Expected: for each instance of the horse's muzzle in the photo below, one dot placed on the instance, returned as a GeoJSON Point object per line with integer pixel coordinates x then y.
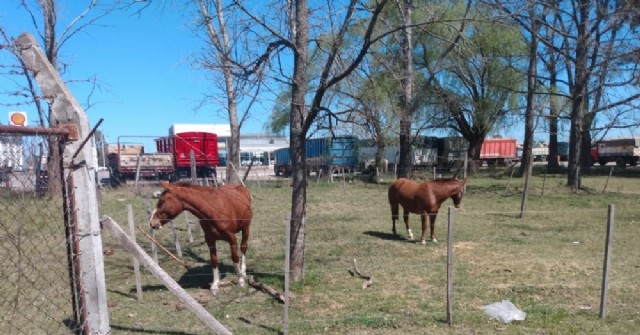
{"type": "Point", "coordinates": [155, 223]}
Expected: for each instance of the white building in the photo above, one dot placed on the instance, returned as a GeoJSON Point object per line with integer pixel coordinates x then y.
{"type": "Point", "coordinates": [259, 146]}
{"type": "Point", "coordinates": [11, 152]}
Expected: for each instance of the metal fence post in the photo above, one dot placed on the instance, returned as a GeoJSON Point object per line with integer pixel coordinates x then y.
{"type": "Point", "coordinates": [607, 261]}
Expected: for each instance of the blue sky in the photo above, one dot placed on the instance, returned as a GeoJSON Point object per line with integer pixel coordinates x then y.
{"type": "Point", "coordinates": [143, 65]}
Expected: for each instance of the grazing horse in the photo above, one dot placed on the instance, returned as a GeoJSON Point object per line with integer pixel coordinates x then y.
{"type": "Point", "coordinates": [223, 212]}
{"type": "Point", "coordinates": [423, 199]}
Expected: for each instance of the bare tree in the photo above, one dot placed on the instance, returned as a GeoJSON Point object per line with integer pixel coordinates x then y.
{"type": "Point", "coordinates": [228, 53]}
{"type": "Point", "coordinates": [596, 49]}
{"type": "Point", "coordinates": [43, 14]}
{"type": "Point", "coordinates": [338, 60]}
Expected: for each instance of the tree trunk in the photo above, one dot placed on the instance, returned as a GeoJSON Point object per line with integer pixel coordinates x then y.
{"type": "Point", "coordinates": [531, 91]}
{"type": "Point", "coordinates": [406, 96]}
{"type": "Point", "coordinates": [579, 94]}
{"type": "Point", "coordinates": [297, 140]}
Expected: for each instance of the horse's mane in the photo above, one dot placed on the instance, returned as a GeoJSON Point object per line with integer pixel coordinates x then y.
{"type": "Point", "coordinates": [446, 179]}
{"type": "Point", "coordinates": [184, 184]}
{"type": "Point", "coordinates": [190, 185]}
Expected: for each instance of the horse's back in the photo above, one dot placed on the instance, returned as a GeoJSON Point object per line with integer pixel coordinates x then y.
{"type": "Point", "coordinates": [402, 190]}
{"type": "Point", "coordinates": [229, 203]}
{"type": "Point", "coordinates": [412, 196]}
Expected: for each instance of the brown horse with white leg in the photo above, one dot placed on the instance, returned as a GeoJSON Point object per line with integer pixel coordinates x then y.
{"type": "Point", "coordinates": [423, 199]}
{"type": "Point", "coordinates": [223, 212]}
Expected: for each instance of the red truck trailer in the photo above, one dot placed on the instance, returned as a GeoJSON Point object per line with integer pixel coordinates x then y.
{"type": "Point", "coordinates": [204, 146]}
{"type": "Point", "coordinates": [498, 151]}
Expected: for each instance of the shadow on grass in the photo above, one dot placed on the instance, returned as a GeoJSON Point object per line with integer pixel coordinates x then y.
{"type": "Point", "coordinates": [269, 328]}
{"type": "Point", "coordinates": [73, 326]}
{"type": "Point", "coordinates": [131, 294]}
{"type": "Point", "coordinates": [147, 331]}
{"type": "Point", "coordinates": [386, 236]}
{"type": "Point", "coordinates": [197, 277]}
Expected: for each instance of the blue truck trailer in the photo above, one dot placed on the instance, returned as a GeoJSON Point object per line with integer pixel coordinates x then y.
{"type": "Point", "coordinates": [325, 154]}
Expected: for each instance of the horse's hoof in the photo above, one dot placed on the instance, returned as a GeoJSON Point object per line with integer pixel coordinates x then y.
{"type": "Point", "coordinates": [423, 242]}
{"type": "Point", "coordinates": [434, 240]}
{"type": "Point", "coordinates": [214, 291]}
{"type": "Point", "coordinates": [241, 282]}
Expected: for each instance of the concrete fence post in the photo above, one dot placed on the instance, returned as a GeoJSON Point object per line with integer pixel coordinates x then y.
{"type": "Point", "coordinates": [79, 168]}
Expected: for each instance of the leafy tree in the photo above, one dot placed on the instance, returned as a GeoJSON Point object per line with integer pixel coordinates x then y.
{"type": "Point", "coordinates": [477, 86]}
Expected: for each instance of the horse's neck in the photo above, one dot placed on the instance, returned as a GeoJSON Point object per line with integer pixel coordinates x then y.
{"type": "Point", "coordinates": [449, 191]}
{"type": "Point", "coordinates": [189, 199]}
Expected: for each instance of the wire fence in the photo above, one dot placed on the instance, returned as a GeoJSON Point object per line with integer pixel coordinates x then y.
{"type": "Point", "coordinates": [36, 291]}
{"type": "Point", "coordinates": [548, 262]}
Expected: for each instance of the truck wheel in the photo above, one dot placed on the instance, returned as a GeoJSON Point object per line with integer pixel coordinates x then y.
{"type": "Point", "coordinates": [602, 162]}
{"type": "Point", "coordinates": [620, 162]}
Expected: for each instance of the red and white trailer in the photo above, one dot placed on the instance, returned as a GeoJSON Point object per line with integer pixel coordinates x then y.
{"type": "Point", "coordinates": [622, 151]}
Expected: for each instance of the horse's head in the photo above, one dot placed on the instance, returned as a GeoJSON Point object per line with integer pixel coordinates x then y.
{"type": "Point", "coordinates": [167, 209]}
{"type": "Point", "coordinates": [458, 193]}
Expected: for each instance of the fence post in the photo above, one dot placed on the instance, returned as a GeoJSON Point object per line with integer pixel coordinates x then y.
{"type": "Point", "coordinates": [161, 275]}
{"type": "Point", "coordinates": [152, 232]}
{"type": "Point", "coordinates": [607, 183]}
{"type": "Point", "coordinates": [79, 168]}
{"type": "Point", "coordinates": [607, 261]}
{"type": "Point", "coordinates": [450, 268]}
{"type": "Point", "coordinates": [189, 234]}
{"type": "Point", "coordinates": [525, 192]}
{"type": "Point", "coordinates": [176, 239]}
{"type": "Point", "coordinates": [192, 161]}
{"type": "Point", "coordinates": [287, 274]}
{"type": "Point", "coordinates": [136, 264]}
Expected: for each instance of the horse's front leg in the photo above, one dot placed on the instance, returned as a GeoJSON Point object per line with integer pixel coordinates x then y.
{"type": "Point", "coordinates": [214, 264]}
{"type": "Point", "coordinates": [394, 217]}
{"type": "Point", "coordinates": [405, 217]}
{"type": "Point", "coordinates": [211, 243]}
{"type": "Point", "coordinates": [240, 267]}
{"type": "Point", "coordinates": [423, 219]}
{"type": "Point", "coordinates": [432, 226]}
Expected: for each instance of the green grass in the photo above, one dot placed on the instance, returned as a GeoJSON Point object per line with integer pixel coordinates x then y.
{"type": "Point", "coordinates": [548, 263]}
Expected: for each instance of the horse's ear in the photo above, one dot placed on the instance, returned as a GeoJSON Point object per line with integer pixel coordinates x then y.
{"type": "Point", "coordinates": [164, 184]}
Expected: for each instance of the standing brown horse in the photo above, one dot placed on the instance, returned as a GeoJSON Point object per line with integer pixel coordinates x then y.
{"type": "Point", "coordinates": [222, 212]}
{"type": "Point", "coordinates": [423, 199]}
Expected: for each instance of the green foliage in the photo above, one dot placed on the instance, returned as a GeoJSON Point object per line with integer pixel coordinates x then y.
{"type": "Point", "coordinates": [482, 72]}
{"type": "Point", "coordinates": [278, 121]}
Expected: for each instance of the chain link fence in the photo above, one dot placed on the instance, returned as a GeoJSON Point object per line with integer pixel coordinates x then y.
{"type": "Point", "coordinates": [36, 291]}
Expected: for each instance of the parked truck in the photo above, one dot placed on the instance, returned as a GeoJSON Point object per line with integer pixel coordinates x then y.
{"type": "Point", "coordinates": [540, 152]}
{"type": "Point", "coordinates": [125, 160]}
{"type": "Point", "coordinates": [179, 145]}
{"type": "Point", "coordinates": [622, 151]}
{"type": "Point", "coordinates": [498, 151]}
{"type": "Point", "coordinates": [323, 155]}
{"type": "Point", "coordinates": [282, 164]}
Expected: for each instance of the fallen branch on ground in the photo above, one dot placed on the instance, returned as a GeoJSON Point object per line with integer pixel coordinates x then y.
{"type": "Point", "coordinates": [354, 271]}
{"type": "Point", "coordinates": [266, 289]}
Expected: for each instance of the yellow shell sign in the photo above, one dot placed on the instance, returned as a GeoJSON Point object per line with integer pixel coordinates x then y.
{"type": "Point", "coordinates": [18, 118]}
